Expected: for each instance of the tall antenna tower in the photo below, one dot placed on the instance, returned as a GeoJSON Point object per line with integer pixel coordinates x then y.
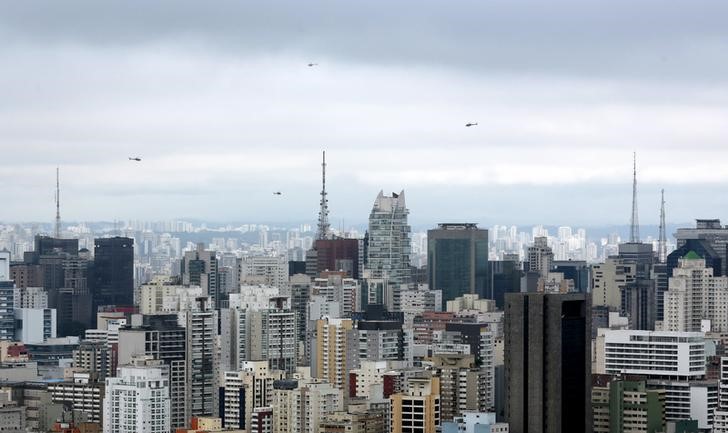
{"type": "Point", "coordinates": [323, 220]}
{"type": "Point", "coordinates": [634, 225]}
{"type": "Point", "coordinates": [58, 204]}
{"type": "Point", "coordinates": [662, 243]}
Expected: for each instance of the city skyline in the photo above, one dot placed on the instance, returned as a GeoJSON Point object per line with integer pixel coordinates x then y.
{"type": "Point", "coordinates": [221, 108]}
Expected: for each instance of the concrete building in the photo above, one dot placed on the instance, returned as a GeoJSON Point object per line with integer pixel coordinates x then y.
{"type": "Point", "coordinates": [355, 420]}
{"type": "Point", "coordinates": [83, 393]}
{"type": "Point", "coordinates": [463, 385]}
{"type": "Point", "coordinates": [161, 337]}
{"type": "Point", "coordinates": [457, 260]}
{"type": "Point", "coordinates": [548, 362]}
{"type": "Point", "coordinates": [388, 244]}
{"type": "Point", "coordinates": [164, 295]}
{"type": "Point", "coordinates": [35, 325]}
{"type": "Point", "coordinates": [626, 405]}
{"type": "Point", "coordinates": [475, 422]}
{"type": "Point", "coordinates": [7, 310]}
{"type": "Point", "coordinates": [417, 409]}
{"type": "Point", "coordinates": [257, 334]}
{"type": "Point", "coordinates": [137, 400]}
{"type": "Point", "coordinates": [609, 280]}
{"type": "Point", "coordinates": [203, 358]}
{"type": "Point", "coordinates": [245, 391]}
{"type": "Point", "coordinates": [31, 297]}
{"type": "Point", "coordinates": [268, 270]}
{"type": "Point", "coordinates": [673, 361]}
{"type": "Point", "coordinates": [335, 351]}
{"type": "Point", "coordinates": [540, 256]}
{"type": "Point", "coordinates": [300, 407]}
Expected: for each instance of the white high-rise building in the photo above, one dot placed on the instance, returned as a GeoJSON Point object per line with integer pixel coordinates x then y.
{"type": "Point", "coordinates": [137, 400]}
{"type": "Point", "coordinates": [35, 325]}
{"type": "Point", "coordinates": [389, 246]}
{"type": "Point", "coordinates": [694, 296]}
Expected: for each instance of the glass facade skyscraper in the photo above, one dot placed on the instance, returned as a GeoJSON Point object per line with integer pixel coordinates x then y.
{"type": "Point", "coordinates": [388, 249]}
{"type": "Point", "coordinates": [457, 260]}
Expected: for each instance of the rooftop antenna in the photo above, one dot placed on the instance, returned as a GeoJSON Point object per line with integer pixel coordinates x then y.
{"type": "Point", "coordinates": [662, 243]}
{"type": "Point", "coordinates": [323, 221]}
{"type": "Point", "coordinates": [634, 229]}
{"type": "Point", "coordinates": [58, 204]}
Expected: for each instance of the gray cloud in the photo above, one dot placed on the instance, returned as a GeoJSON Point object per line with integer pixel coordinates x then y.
{"type": "Point", "coordinates": [218, 101]}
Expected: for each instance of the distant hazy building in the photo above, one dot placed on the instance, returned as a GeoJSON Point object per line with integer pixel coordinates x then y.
{"type": "Point", "coordinates": [388, 245]}
{"type": "Point", "coordinates": [137, 400]}
{"type": "Point", "coordinates": [200, 268]}
{"type": "Point", "coordinates": [548, 362]}
{"type": "Point", "coordinates": [457, 260]}
{"type": "Point", "coordinates": [540, 256]}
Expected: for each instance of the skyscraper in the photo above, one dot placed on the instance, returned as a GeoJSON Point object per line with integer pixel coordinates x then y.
{"type": "Point", "coordinates": [113, 271]}
{"type": "Point", "coordinates": [548, 362]}
{"type": "Point", "coordinates": [457, 260]}
{"type": "Point", "coordinates": [388, 249]}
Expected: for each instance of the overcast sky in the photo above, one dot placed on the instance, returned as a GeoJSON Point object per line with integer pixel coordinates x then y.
{"type": "Point", "coordinates": [218, 101]}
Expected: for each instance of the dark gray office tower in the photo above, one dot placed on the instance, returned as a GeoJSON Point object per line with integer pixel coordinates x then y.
{"type": "Point", "coordinates": [457, 260]}
{"type": "Point", "coordinates": [639, 298]}
{"type": "Point", "coordinates": [113, 271]}
{"type": "Point", "coordinates": [711, 231]}
{"type": "Point", "coordinates": [548, 362]}
{"type": "Point", "coordinates": [505, 277]}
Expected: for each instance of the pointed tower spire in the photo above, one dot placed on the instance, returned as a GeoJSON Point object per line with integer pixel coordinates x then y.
{"type": "Point", "coordinates": [58, 204]}
{"type": "Point", "coordinates": [323, 220]}
{"type": "Point", "coordinates": [634, 229]}
{"type": "Point", "coordinates": [662, 243]}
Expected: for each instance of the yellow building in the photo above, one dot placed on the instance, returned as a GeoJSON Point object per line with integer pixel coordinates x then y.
{"type": "Point", "coordinates": [417, 409]}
